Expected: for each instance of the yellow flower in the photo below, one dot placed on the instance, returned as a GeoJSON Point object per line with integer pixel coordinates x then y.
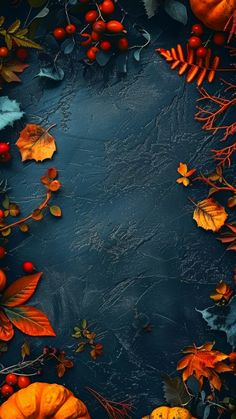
{"type": "Point", "coordinates": [185, 173]}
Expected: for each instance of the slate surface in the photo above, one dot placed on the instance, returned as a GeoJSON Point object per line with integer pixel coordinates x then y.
{"type": "Point", "coordinates": [126, 251]}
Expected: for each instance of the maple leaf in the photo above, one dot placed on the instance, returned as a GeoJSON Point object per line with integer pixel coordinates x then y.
{"type": "Point", "coordinates": [27, 319]}
{"type": "Point", "coordinates": [210, 215]}
{"type": "Point", "coordinates": [185, 173]}
{"type": "Point", "coordinates": [8, 70]}
{"type": "Point", "coordinates": [35, 143]}
{"type": "Point", "coordinates": [203, 362]}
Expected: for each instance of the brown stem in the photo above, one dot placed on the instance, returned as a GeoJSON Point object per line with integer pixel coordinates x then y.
{"type": "Point", "coordinates": [212, 185]}
{"type": "Point", "coordinates": [30, 216]}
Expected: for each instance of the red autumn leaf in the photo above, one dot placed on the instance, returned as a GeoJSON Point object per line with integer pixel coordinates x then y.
{"type": "Point", "coordinates": [61, 369]}
{"type": "Point", "coordinates": [6, 328]}
{"type": "Point", "coordinates": [30, 320]}
{"type": "Point", "coordinates": [20, 291]}
{"type": "Point", "coordinates": [203, 362]}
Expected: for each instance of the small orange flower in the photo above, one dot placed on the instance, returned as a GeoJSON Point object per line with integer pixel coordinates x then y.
{"type": "Point", "coordinates": [185, 174]}
{"type": "Point", "coordinates": [222, 293]}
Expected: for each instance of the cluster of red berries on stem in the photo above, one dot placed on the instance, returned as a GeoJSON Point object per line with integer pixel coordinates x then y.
{"type": "Point", "coordinates": [5, 155]}
{"type": "Point", "coordinates": [20, 53]}
{"type": "Point", "coordinates": [11, 381]}
{"type": "Point", "coordinates": [195, 41]}
{"type": "Point", "coordinates": [104, 34]}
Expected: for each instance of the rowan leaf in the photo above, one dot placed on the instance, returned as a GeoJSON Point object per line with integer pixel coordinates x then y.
{"type": "Point", "coordinates": [9, 69]}
{"type": "Point", "coordinates": [30, 320]}
{"type": "Point", "coordinates": [210, 215]}
{"type": "Point", "coordinates": [9, 112]}
{"type": "Point", "coordinates": [35, 143]}
{"type": "Point", "coordinates": [20, 291]}
{"type": "Point", "coordinates": [6, 328]}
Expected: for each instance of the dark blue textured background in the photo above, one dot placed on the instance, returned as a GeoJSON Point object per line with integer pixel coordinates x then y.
{"type": "Point", "coordinates": [126, 251]}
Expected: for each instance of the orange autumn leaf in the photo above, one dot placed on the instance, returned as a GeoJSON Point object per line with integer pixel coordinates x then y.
{"type": "Point", "coordinates": [210, 215]}
{"type": "Point", "coordinates": [185, 174]}
{"type": "Point", "coordinates": [203, 362]}
{"type": "Point", "coordinates": [8, 71]}
{"type": "Point", "coordinates": [21, 290]}
{"type": "Point", "coordinates": [35, 143]}
{"type": "Point", "coordinates": [223, 292]}
{"type": "Point", "coordinates": [27, 319]}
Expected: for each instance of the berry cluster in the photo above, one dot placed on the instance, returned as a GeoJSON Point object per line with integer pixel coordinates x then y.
{"type": "Point", "coordinates": [5, 155]}
{"type": "Point", "coordinates": [195, 41]}
{"type": "Point", "coordinates": [105, 34]}
{"type": "Point", "coordinates": [11, 381]}
{"type": "Point", "coordinates": [20, 53]}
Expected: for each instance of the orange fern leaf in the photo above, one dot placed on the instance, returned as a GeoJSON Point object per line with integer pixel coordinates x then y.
{"type": "Point", "coordinates": [189, 64]}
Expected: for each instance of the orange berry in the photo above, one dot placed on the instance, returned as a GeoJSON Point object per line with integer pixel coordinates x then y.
{"type": "Point", "coordinates": [115, 26]}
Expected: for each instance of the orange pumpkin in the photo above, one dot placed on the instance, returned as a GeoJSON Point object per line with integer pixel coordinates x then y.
{"type": "Point", "coordinates": [164, 412]}
{"type": "Point", "coordinates": [41, 401]}
{"type": "Point", "coordinates": [213, 13]}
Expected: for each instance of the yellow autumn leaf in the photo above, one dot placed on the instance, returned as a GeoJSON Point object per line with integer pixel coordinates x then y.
{"type": "Point", "coordinates": [35, 143]}
{"type": "Point", "coordinates": [210, 215]}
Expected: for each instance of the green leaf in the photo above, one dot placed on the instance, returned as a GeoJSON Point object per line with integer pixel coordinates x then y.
{"type": "Point", "coordinates": [151, 7]}
{"type": "Point", "coordinates": [6, 202]}
{"type": "Point", "coordinates": [55, 211]}
{"type": "Point", "coordinates": [9, 112]}
{"type": "Point", "coordinates": [84, 324]}
{"type": "Point", "coordinates": [174, 391]}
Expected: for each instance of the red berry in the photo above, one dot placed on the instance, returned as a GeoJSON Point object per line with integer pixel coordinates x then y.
{"type": "Point", "coordinates": [123, 44]}
{"type": "Point", "coordinates": [2, 252]}
{"type": "Point", "coordinates": [115, 26]}
{"type": "Point", "coordinates": [6, 390]}
{"type": "Point", "coordinates": [96, 36]}
{"type": "Point", "coordinates": [91, 16]}
{"type": "Point", "coordinates": [59, 33]}
{"type": "Point", "coordinates": [22, 53]}
{"type": "Point", "coordinates": [194, 42]}
{"type": "Point", "coordinates": [23, 381]}
{"type": "Point", "coordinates": [4, 148]}
{"type": "Point", "coordinates": [4, 51]}
{"type": "Point", "coordinates": [219, 38]}
{"type": "Point", "coordinates": [87, 39]}
{"type": "Point", "coordinates": [28, 267]}
{"type": "Point", "coordinates": [70, 29]}
{"type": "Point", "coordinates": [91, 53]}
{"type": "Point", "coordinates": [105, 45]}
{"type": "Point", "coordinates": [5, 158]}
{"type": "Point", "coordinates": [1, 213]}
{"type": "Point", "coordinates": [99, 26]}
{"type": "Point", "coordinates": [201, 52]}
{"type": "Point", "coordinates": [197, 29]}
{"type": "Point", "coordinates": [107, 7]}
{"type": "Point", "coordinates": [11, 379]}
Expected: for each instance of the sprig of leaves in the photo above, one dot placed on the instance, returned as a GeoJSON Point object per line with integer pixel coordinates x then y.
{"type": "Point", "coordinates": [86, 338]}
{"type": "Point", "coordinates": [15, 34]}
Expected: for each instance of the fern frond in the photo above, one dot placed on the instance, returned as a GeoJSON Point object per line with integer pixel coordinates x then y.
{"type": "Point", "coordinates": [195, 68]}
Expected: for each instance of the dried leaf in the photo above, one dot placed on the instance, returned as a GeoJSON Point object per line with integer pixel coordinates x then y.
{"type": "Point", "coordinates": [54, 185]}
{"type": "Point", "coordinates": [222, 293]}
{"type": "Point", "coordinates": [9, 69]}
{"type": "Point", "coordinates": [14, 209]}
{"type": "Point", "coordinates": [24, 228]}
{"type": "Point", "coordinates": [21, 290]}
{"type": "Point", "coordinates": [175, 392]}
{"type": "Point", "coordinates": [25, 350]}
{"type": "Point", "coordinates": [55, 211]}
{"type": "Point", "coordinates": [210, 215]}
{"type": "Point", "coordinates": [37, 215]}
{"type": "Point", "coordinates": [61, 369]}
{"type": "Point", "coordinates": [35, 143]}
{"type": "Point", "coordinates": [196, 68]}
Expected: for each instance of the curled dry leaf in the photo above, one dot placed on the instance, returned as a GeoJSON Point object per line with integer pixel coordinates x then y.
{"type": "Point", "coordinates": [185, 174]}
{"type": "Point", "coordinates": [35, 143]}
{"type": "Point", "coordinates": [210, 215]}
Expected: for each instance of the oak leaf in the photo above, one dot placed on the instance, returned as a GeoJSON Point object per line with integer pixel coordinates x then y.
{"type": "Point", "coordinates": [35, 143]}
{"type": "Point", "coordinates": [203, 362]}
{"type": "Point", "coordinates": [210, 215]}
